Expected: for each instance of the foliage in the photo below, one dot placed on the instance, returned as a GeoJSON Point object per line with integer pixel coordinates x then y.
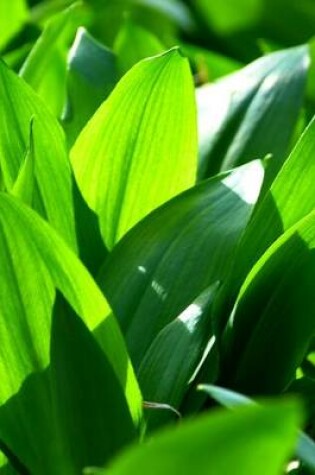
{"type": "Point", "coordinates": [157, 234]}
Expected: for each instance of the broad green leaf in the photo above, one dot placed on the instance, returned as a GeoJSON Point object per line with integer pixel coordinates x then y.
{"type": "Point", "coordinates": [290, 198]}
{"type": "Point", "coordinates": [19, 105]}
{"type": "Point", "coordinates": [40, 351]}
{"type": "Point", "coordinates": [272, 324]}
{"type": "Point", "coordinates": [13, 14]}
{"type": "Point", "coordinates": [250, 440]}
{"type": "Point", "coordinates": [252, 112]}
{"type": "Point", "coordinates": [173, 357]}
{"type": "Point", "coordinates": [305, 448]}
{"type": "Point", "coordinates": [139, 148]}
{"type": "Point", "coordinates": [91, 76]}
{"type": "Point", "coordinates": [134, 43]}
{"type": "Point", "coordinates": [45, 67]}
{"type": "Point", "coordinates": [154, 266]}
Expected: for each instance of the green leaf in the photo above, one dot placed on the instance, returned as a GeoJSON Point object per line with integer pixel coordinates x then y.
{"type": "Point", "coordinates": [290, 198]}
{"type": "Point", "coordinates": [23, 187]}
{"type": "Point", "coordinates": [52, 194]}
{"type": "Point", "coordinates": [134, 43]}
{"type": "Point", "coordinates": [154, 266]}
{"type": "Point", "coordinates": [91, 76]}
{"type": "Point", "coordinates": [13, 15]}
{"type": "Point", "coordinates": [250, 440]}
{"type": "Point", "coordinates": [305, 448]}
{"type": "Point", "coordinates": [172, 358]}
{"type": "Point", "coordinates": [45, 66]}
{"type": "Point", "coordinates": [39, 352]}
{"type": "Point", "coordinates": [271, 326]}
{"type": "Point", "coordinates": [139, 149]}
{"type": "Point", "coordinates": [252, 112]}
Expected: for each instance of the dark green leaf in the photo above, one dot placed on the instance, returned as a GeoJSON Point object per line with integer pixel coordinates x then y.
{"type": "Point", "coordinates": [165, 262]}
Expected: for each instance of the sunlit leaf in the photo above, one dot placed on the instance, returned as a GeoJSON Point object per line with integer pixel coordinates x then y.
{"type": "Point", "coordinates": [139, 149]}
{"type": "Point", "coordinates": [45, 67]}
{"type": "Point", "coordinates": [13, 14]}
{"type": "Point", "coordinates": [19, 106]}
{"type": "Point", "coordinates": [40, 351]}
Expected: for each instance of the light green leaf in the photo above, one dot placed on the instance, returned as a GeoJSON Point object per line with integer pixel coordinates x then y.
{"type": "Point", "coordinates": [134, 43]}
{"type": "Point", "coordinates": [19, 105]}
{"type": "Point", "coordinates": [172, 358]}
{"type": "Point", "coordinates": [13, 14]}
{"type": "Point", "coordinates": [250, 440]}
{"type": "Point", "coordinates": [34, 399]}
{"type": "Point", "coordinates": [91, 76]}
{"type": "Point", "coordinates": [45, 67]}
{"type": "Point", "coordinates": [139, 149]}
{"type": "Point", "coordinates": [252, 112]}
{"type": "Point", "coordinates": [305, 448]}
{"type": "Point", "coordinates": [154, 266]}
{"type": "Point", "coordinates": [23, 187]}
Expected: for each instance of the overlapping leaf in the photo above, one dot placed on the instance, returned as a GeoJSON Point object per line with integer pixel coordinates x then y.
{"type": "Point", "coordinates": [166, 261]}
{"type": "Point", "coordinates": [20, 107]}
{"type": "Point", "coordinates": [41, 351]}
{"type": "Point", "coordinates": [250, 440]}
{"type": "Point", "coordinates": [139, 149]}
{"type": "Point", "coordinates": [174, 355]}
{"type": "Point", "coordinates": [271, 327]}
{"type": "Point", "coordinates": [290, 198]}
{"type": "Point", "coordinates": [252, 112]}
{"type": "Point", "coordinates": [91, 76]}
{"type": "Point", "coordinates": [45, 66]}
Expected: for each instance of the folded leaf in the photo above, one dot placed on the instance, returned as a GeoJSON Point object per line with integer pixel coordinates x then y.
{"type": "Point", "coordinates": [139, 149]}
{"type": "Point", "coordinates": [172, 358]}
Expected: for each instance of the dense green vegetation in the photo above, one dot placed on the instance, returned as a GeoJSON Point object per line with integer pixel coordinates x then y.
{"type": "Point", "coordinates": [157, 237]}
